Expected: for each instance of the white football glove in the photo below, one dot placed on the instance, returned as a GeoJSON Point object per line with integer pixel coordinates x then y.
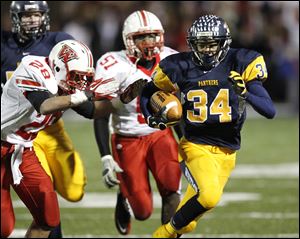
{"type": "Point", "coordinates": [78, 97]}
{"type": "Point", "coordinates": [109, 168]}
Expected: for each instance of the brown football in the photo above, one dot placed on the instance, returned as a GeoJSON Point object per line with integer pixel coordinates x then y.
{"type": "Point", "coordinates": [167, 105]}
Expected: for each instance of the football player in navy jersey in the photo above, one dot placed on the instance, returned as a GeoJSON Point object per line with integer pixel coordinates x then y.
{"type": "Point", "coordinates": [215, 82]}
{"type": "Point", "coordinates": [30, 36]}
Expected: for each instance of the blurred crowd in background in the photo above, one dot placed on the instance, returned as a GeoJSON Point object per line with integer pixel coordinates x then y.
{"type": "Point", "coordinates": [269, 27]}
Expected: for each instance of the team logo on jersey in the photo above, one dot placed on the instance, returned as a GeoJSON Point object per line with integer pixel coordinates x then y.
{"type": "Point", "coordinates": [67, 54]}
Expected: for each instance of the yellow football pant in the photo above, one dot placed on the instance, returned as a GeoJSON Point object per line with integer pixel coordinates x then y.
{"type": "Point", "coordinates": [209, 167]}
{"type": "Point", "coordinates": [62, 163]}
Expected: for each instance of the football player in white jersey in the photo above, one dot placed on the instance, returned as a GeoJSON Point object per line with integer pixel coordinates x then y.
{"type": "Point", "coordinates": [136, 149]}
{"type": "Point", "coordinates": [39, 91]}
{"type": "Point", "coordinates": [30, 35]}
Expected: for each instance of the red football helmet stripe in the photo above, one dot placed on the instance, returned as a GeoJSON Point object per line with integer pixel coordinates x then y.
{"type": "Point", "coordinates": [143, 15]}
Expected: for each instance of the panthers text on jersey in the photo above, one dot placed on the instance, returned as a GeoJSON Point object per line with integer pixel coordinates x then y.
{"type": "Point", "coordinates": [20, 122]}
{"type": "Point", "coordinates": [12, 53]}
{"type": "Point", "coordinates": [213, 114]}
{"type": "Point", "coordinates": [127, 119]}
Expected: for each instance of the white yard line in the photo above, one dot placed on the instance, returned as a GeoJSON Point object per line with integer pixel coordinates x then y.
{"type": "Point", "coordinates": [108, 200]}
{"type": "Point", "coordinates": [287, 170]}
{"type": "Point", "coordinates": [18, 233]}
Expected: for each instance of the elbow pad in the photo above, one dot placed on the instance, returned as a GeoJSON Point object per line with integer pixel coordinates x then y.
{"type": "Point", "coordinates": [36, 98]}
{"type": "Point", "coordinates": [85, 109]}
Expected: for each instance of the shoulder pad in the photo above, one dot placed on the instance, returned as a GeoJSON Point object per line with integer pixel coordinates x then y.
{"type": "Point", "coordinates": [251, 64]}
{"type": "Point", "coordinates": [40, 75]}
{"type": "Point", "coordinates": [166, 52]}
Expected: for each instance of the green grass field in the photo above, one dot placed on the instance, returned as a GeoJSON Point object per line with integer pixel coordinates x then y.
{"type": "Point", "coordinates": [270, 207]}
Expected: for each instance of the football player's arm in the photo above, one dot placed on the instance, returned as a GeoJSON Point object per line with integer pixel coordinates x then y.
{"type": "Point", "coordinates": [58, 103]}
{"type": "Point", "coordinates": [148, 90]}
{"type": "Point", "coordinates": [259, 99]}
{"type": "Point", "coordinates": [249, 84]}
{"type": "Point", "coordinates": [153, 121]}
{"type": "Point", "coordinates": [36, 98]}
{"type": "Point", "coordinates": [45, 104]}
{"type": "Point", "coordinates": [109, 165]}
{"type": "Point", "coordinates": [94, 109]}
{"type": "Point", "coordinates": [101, 130]}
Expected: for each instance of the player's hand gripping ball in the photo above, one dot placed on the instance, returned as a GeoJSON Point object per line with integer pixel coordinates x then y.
{"type": "Point", "coordinates": [166, 106]}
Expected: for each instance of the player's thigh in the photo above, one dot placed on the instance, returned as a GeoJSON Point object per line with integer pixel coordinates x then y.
{"type": "Point", "coordinates": [228, 164]}
{"type": "Point", "coordinates": [64, 162]}
{"type": "Point", "coordinates": [130, 154]}
{"type": "Point", "coordinates": [54, 139]}
{"type": "Point", "coordinates": [200, 164]}
{"type": "Point", "coordinates": [162, 159]}
{"type": "Point", "coordinates": [41, 154]}
{"type": "Point", "coordinates": [205, 165]}
{"type": "Point", "coordinates": [37, 192]}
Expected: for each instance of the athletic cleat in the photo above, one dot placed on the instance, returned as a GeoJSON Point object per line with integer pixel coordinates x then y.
{"type": "Point", "coordinates": [165, 231]}
{"type": "Point", "coordinates": [122, 215]}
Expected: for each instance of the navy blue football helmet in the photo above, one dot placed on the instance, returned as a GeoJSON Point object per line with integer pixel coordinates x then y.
{"type": "Point", "coordinates": [27, 32]}
{"type": "Point", "coordinates": [209, 38]}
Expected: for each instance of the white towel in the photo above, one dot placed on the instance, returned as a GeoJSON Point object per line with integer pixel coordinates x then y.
{"type": "Point", "coordinates": [15, 162]}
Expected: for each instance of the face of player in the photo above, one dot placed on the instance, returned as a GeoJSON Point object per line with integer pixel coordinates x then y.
{"type": "Point", "coordinates": [147, 44]}
{"type": "Point", "coordinates": [207, 48]}
{"type": "Point", "coordinates": [77, 80]}
{"type": "Point", "coordinates": [31, 21]}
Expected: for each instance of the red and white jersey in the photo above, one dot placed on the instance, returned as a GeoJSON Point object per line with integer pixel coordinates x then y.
{"type": "Point", "coordinates": [20, 122]}
{"type": "Point", "coordinates": [127, 119]}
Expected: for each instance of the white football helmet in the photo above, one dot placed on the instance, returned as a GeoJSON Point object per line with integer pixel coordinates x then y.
{"type": "Point", "coordinates": [72, 64]}
{"type": "Point", "coordinates": [141, 23]}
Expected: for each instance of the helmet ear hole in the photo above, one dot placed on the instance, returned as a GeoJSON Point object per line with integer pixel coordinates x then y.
{"type": "Point", "coordinates": [57, 69]}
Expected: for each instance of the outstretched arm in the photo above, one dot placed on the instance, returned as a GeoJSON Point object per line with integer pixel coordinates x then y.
{"type": "Point", "coordinates": [44, 104]}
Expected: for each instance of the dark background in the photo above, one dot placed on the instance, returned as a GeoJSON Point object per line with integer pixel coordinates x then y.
{"type": "Point", "coordinates": [271, 28]}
